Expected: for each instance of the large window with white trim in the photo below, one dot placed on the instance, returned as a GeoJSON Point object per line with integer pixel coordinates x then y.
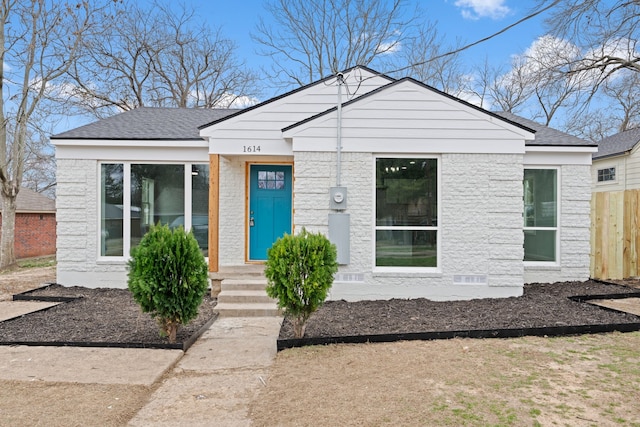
{"type": "Point", "coordinates": [135, 196]}
{"type": "Point", "coordinates": [406, 212]}
{"type": "Point", "coordinates": [540, 187]}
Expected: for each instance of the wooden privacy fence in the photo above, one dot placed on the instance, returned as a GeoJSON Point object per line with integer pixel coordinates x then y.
{"type": "Point", "coordinates": [615, 238]}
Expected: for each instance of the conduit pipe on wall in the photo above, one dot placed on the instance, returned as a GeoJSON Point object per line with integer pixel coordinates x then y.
{"type": "Point", "coordinates": [340, 81]}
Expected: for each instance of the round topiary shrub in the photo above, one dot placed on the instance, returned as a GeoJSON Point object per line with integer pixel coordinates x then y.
{"type": "Point", "coordinates": [168, 277]}
{"type": "Point", "coordinates": [299, 272]}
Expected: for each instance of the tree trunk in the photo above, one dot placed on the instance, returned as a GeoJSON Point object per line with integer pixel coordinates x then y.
{"type": "Point", "coordinates": [299, 326]}
{"type": "Point", "coordinates": [7, 255]}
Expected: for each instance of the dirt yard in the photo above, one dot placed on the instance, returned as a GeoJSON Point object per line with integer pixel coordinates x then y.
{"type": "Point", "coordinates": [582, 380]}
{"type": "Point", "coordinates": [61, 404]}
{"type": "Point", "coordinates": [589, 380]}
{"type": "Point", "coordinates": [21, 279]}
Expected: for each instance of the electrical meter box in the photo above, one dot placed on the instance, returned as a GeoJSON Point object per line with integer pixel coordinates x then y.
{"type": "Point", "coordinates": [338, 198]}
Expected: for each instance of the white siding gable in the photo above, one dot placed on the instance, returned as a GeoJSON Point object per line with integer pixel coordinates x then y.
{"type": "Point", "coordinates": [408, 117]}
{"type": "Point", "coordinates": [263, 125]}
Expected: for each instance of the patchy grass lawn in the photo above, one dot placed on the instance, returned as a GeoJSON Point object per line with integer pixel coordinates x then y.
{"type": "Point", "coordinates": [587, 380]}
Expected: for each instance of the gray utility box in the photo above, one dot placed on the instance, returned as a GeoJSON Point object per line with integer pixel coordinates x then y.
{"type": "Point", "coordinates": [339, 235]}
{"type": "Point", "coordinates": [338, 198]}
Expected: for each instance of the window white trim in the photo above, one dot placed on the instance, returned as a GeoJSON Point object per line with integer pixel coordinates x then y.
{"type": "Point", "coordinates": [557, 228]}
{"type": "Point", "coordinates": [438, 228]}
{"type": "Point", "coordinates": [126, 201]}
{"type": "Point", "coordinates": [607, 181]}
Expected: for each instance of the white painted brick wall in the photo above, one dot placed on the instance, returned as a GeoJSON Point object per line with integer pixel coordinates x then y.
{"type": "Point", "coordinates": [574, 229]}
{"type": "Point", "coordinates": [77, 217]}
{"type": "Point", "coordinates": [232, 211]}
{"type": "Point", "coordinates": [481, 225]}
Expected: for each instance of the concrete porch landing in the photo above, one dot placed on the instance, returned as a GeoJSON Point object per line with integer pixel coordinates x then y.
{"type": "Point", "coordinates": [242, 292]}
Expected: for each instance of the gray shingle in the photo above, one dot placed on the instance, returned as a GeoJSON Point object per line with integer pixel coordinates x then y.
{"type": "Point", "coordinates": [618, 143]}
{"type": "Point", "coordinates": [147, 123]}
{"type": "Point", "coordinates": [30, 201]}
{"type": "Point", "coordinates": [544, 134]}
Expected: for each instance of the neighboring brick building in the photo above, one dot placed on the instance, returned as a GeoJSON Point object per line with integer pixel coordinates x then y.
{"type": "Point", "coordinates": [424, 194]}
{"type": "Point", "coordinates": [35, 233]}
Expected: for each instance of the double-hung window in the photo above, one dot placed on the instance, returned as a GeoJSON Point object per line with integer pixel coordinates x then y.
{"type": "Point", "coordinates": [406, 212]}
{"type": "Point", "coordinates": [135, 196]}
{"type": "Point", "coordinates": [540, 188]}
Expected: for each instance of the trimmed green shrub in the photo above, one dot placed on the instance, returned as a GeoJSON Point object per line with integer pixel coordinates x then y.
{"type": "Point", "coordinates": [300, 271]}
{"type": "Point", "coordinates": [168, 277]}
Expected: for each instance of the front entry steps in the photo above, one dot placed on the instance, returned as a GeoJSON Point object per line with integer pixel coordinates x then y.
{"type": "Point", "coordinates": [242, 293]}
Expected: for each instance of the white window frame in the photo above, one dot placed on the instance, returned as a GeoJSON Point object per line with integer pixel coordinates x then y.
{"type": "Point", "coordinates": [607, 181]}
{"type": "Point", "coordinates": [557, 228]}
{"type": "Point", "coordinates": [126, 201]}
{"type": "Point", "coordinates": [437, 228]}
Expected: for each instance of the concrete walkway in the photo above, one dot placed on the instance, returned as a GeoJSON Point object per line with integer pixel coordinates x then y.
{"type": "Point", "coordinates": [85, 365]}
{"type": "Point", "coordinates": [217, 378]}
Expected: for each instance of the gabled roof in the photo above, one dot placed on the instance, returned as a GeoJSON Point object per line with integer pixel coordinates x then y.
{"type": "Point", "coordinates": [31, 201]}
{"type": "Point", "coordinates": [619, 143]}
{"type": "Point", "coordinates": [398, 82]}
{"type": "Point", "coordinates": [301, 88]}
{"type": "Point", "coordinates": [545, 135]}
{"type": "Point", "coordinates": [149, 123]}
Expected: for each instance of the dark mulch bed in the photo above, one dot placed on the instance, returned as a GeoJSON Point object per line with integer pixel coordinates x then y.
{"type": "Point", "coordinates": [97, 317]}
{"type": "Point", "coordinates": [103, 317]}
{"type": "Point", "coordinates": [541, 306]}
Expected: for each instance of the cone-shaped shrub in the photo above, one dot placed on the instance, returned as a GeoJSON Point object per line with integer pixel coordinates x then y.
{"type": "Point", "coordinates": [300, 271]}
{"type": "Point", "coordinates": [168, 277]}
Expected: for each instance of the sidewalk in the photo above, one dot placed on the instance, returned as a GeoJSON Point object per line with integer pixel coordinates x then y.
{"type": "Point", "coordinates": [217, 378]}
{"type": "Point", "coordinates": [212, 383]}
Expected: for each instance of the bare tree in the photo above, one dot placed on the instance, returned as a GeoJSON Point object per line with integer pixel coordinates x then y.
{"type": "Point", "coordinates": [40, 39]}
{"type": "Point", "coordinates": [607, 32]}
{"type": "Point", "coordinates": [509, 91]}
{"type": "Point", "coordinates": [310, 39]}
{"type": "Point", "coordinates": [624, 92]}
{"type": "Point", "coordinates": [445, 72]}
{"type": "Point", "coordinates": [158, 56]}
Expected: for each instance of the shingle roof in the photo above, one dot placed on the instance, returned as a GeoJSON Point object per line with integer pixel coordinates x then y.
{"type": "Point", "coordinates": [30, 201]}
{"type": "Point", "coordinates": [148, 123]}
{"type": "Point", "coordinates": [544, 134]}
{"type": "Point", "coordinates": [618, 143]}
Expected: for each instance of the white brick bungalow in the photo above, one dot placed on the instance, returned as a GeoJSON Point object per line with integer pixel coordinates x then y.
{"type": "Point", "coordinates": [423, 199]}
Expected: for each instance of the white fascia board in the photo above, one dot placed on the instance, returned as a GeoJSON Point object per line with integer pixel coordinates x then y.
{"type": "Point", "coordinates": [188, 143]}
{"type": "Point", "coordinates": [143, 152]}
{"type": "Point", "coordinates": [410, 145]}
{"type": "Point", "coordinates": [552, 155]}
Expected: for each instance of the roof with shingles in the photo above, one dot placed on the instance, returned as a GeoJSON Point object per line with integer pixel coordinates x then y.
{"type": "Point", "coordinates": [31, 201]}
{"type": "Point", "coordinates": [546, 135]}
{"type": "Point", "coordinates": [619, 143]}
{"type": "Point", "coordinates": [149, 123]}
{"type": "Point", "coordinates": [152, 123]}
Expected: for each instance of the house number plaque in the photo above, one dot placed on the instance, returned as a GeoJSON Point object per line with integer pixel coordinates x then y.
{"type": "Point", "coordinates": [250, 148]}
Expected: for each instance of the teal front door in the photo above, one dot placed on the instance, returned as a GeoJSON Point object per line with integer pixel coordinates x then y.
{"type": "Point", "coordinates": [269, 207]}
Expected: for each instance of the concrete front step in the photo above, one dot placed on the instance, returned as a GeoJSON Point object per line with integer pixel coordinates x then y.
{"type": "Point", "coordinates": [243, 296]}
{"type": "Point", "coordinates": [247, 310]}
{"type": "Point", "coordinates": [243, 284]}
{"type": "Point", "coordinates": [239, 271]}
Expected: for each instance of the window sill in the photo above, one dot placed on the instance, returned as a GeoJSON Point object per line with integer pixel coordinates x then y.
{"type": "Point", "coordinates": [533, 265]}
{"type": "Point", "coordinates": [111, 260]}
